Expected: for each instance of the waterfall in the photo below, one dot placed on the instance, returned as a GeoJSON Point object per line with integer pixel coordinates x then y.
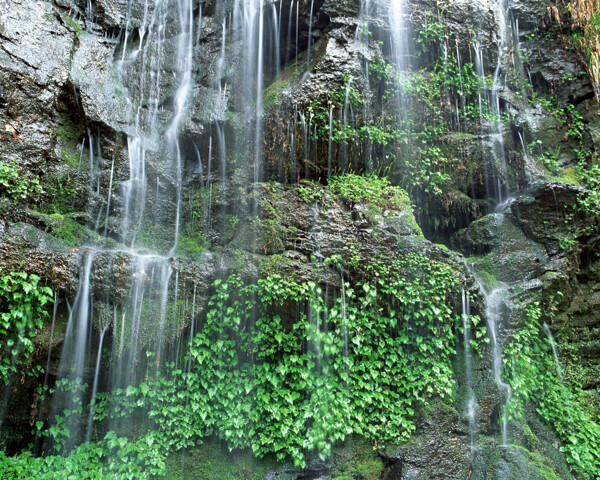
{"type": "Point", "coordinates": [142, 318]}
{"type": "Point", "coordinates": [553, 345]}
{"type": "Point", "coordinates": [184, 68]}
{"type": "Point", "coordinates": [471, 402]}
{"type": "Point", "coordinates": [494, 304]}
{"type": "Point", "coordinates": [74, 352]}
{"type": "Point", "coordinates": [90, 423]}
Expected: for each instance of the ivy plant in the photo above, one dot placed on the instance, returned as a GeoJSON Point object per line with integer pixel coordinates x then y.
{"type": "Point", "coordinates": [23, 305]}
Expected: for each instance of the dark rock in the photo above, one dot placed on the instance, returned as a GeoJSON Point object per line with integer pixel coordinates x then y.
{"type": "Point", "coordinates": [548, 213]}
{"type": "Point", "coordinates": [436, 451]}
{"type": "Point", "coordinates": [23, 246]}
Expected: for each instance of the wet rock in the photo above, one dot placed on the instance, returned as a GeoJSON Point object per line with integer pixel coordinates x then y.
{"type": "Point", "coordinates": [59, 61]}
{"type": "Point", "coordinates": [112, 14]}
{"type": "Point", "coordinates": [461, 18]}
{"type": "Point", "coordinates": [507, 253]}
{"type": "Point", "coordinates": [102, 94]}
{"type": "Point", "coordinates": [35, 43]}
{"type": "Point", "coordinates": [439, 448]}
{"type": "Point", "coordinates": [24, 247]}
{"type": "Point", "coordinates": [34, 68]}
{"type": "Point", "coordinates": [548, 213]}
{"type": "Point", "coordinates": [559, 72]}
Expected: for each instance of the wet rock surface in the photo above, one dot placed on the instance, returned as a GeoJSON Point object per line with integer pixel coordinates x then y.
{"type": "Point", "coordinates": [61, 78]}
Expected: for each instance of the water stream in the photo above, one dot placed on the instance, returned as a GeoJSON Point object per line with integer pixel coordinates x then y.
{"type": "Point", "coordinates": [143, 324]}
{"type": "Point", "coordinates": [554, 352]}
{"type": "Point", "coordinates": [471, 401]}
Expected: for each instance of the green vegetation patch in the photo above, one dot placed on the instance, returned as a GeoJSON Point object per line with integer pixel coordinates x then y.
{"type": "Point", "coordinates": [17, 186]}
{"type": "Point", "coordinates": [375, 191]}
{"type": "Point", "coordinates": [359, 461]}
{"type": "Point", "coordinates": [72, 233]}
{"type": "Point", "coordinates": [360, 363]}
{"type": "Point", "coordinates": [213, 461]}
{"type": "Point", "coordinates": [533, 375]}
{"type": "Point", "coordinates": [23, 305]}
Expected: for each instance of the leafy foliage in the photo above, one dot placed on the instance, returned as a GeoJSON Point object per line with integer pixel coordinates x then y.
{"type": "Point", "coordinates": [372, 189]}
{"type": "Point", "coordinates": [16, 186]}
{"type": "Point", "coordinates": [357, 365]}
{"type": "Point", "coordinates": [113, 458]}
{"type": "Point", "coordinates": [22, 303]}
{"type": "Point", "coordinates": [255, 378]}
{"type": "Point", "coordinates": [588, 172]}
{"type": "Point", "coordinates": [534, 377]}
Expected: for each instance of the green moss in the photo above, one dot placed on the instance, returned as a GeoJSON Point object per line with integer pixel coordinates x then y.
{"type": "Point", "coordinates": [269, 227]}
{"type": "Point", "coordinates": [568, 175]}
{"type": "Point", "coordinates": [530, 439]}
{"type": "Point", "coordinates": [191, 246]}
{"type": "Point", "coordinates": [64, 193]}
{"type": "Point", "coordinates": [272, 234]}
{"type": "Point", "coordinates": [513, 462]}
{"type": "Point", "coordinates": [72, 158]}
{"type": "Point", "coordinates": [376, 192]}
{"type": "Point", "coordinates": [360, 461]}
{"type": "Point", "coordinates": [67, 130]}
{"type": "Point", "coordinates": [155, 237]}
{"type": "Point", "coordinates": [72, 233]}
{"type": "Point", "coordinates": [272, 265]}
{"type": "Point", "coordinates": [273, 92]}
{"type": "Point", "coordinates": [212, 461]}
{"type": "Point", "coordinates": [537, 464]}
{"type": "Point", "coordinates": [487, 277]}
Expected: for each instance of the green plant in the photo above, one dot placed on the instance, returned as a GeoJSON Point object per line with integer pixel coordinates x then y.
{"type": "Point", "coordinates": [23, 305]}
{"type": "Point", "coordinates": [15, 185]}
{"type": "Point", "coordinates": [575, 123]}
{"type": "Point", "coordinates": [191, 246]}
{"type": "Point", "coordinates": [71, 23]}
{"type": "Point", "coordinates": [63, 198]}
{"type": "Point", "coordinates": [233, 222]}
{"type": "Point", "coordinates": [533, 375]}
{"type": "Point", "coordinates": [371, 189]}
{"type": "Point", "coordinates": [581, 219]}
{"type": "Point", "coordinates": [381, 70]}
{"type": "Point", "coordinates": [548, 159]}
{"type": "Point", "coordinates": [112, 458]}
{"type": "Point", "coordinates": [310, 192]}
{"type": "Point", "coordinates": [360, 364]}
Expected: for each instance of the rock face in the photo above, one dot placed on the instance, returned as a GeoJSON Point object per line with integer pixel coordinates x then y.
{"type": "Point", "coordinates": [164, 146]}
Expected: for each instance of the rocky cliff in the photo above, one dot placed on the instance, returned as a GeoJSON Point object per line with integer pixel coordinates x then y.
{"type": "Point", "coordinates": [149, 149]}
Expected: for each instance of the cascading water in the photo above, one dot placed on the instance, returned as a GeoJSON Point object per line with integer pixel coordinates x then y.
{"type": "Point", "coordinates": [75, 347]}
{"type": "Point", "coordinates": [554, 352]}
{"type": "Point", "coordinates": [184, 69]}
{"type": "Point", "coordinates": [490, 108]}
{"type": "Point", "coordinates": [494, 305]}
{"type": "Point", "coordinates": [146, 318]}
{"type": "Point", "coordinates": [145, 308]}
{"type": "Point", "coordinates": [471, 402]}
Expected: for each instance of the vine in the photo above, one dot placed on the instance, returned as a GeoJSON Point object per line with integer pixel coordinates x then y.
{"type": "Point", "coordinates": [359, 364]}
{"type": "Point", "coordinates": [23, 305]}
{"type": "Point", "coordinates": [533, 375]}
